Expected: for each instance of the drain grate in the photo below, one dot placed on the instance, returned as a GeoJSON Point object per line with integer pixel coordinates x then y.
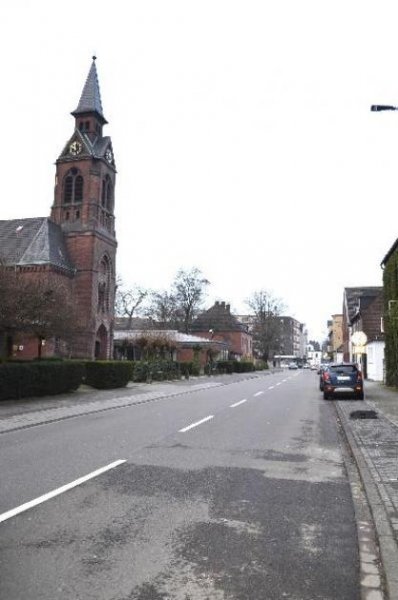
{"type": "Point", "coordinates": [363, 414]}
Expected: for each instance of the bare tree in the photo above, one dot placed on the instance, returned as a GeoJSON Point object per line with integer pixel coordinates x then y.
{"type": "Point", "coordinates": [129, 301]}
{"type": "Point", "coordinates": [189, 289]}
{"type": "Point", "coordinates": [163, 309]}
{"type": "Point", "coordinates": [43, 306]}
{"type": "Point", "coordinates": [266, 329]}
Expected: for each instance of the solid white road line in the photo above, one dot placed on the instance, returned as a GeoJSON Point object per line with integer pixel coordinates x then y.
{"type": "Point", "coordinates": [196, 424]}
{"type": "Point", "coordinates": [237, 403]}
{"type": "Point", "coordinates": [15, 511]}
{"type": "Point", "coordinates": [258, 394]}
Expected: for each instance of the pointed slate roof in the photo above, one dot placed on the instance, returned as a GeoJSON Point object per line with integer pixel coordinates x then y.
{"type": "Point", "coordinates": [35, 241]}
{"type": "Point", "coordinates": [90, 100]}
{"type": "Point", "coordinates": [219, 318]}
{"type": "Point", "coordinates": [360, 297]}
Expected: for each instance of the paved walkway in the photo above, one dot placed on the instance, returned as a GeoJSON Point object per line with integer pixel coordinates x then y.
{"type": "Point", "coordinates": [374, 444]}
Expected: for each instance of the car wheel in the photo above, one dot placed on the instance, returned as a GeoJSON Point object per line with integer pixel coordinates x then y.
{"type": "Point", "coordinates": [326, 396]}
{"type": "Point", "coordinates": [359, 396]}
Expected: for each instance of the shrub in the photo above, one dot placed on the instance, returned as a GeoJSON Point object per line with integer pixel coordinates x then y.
{"type": "Point", "coordinates": [108, 374]}
{"type": "Point", "coordinates": [156, 370]}
{"type": "Point", "coordinates": [225, 366]}
{"type": "Point", "coordinates": [39, 378]}
{"type": "Point", "coordinates": [243, 366]}
{"type": "Point", "coordinates": [261, 365]}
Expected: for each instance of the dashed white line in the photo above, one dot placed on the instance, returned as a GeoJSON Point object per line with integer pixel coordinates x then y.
{"type": "Point", "coordinates": [238, 403]}
{"type": "Point", "coordinates": [258, 393]}
{"type": "Point", "coordinates": [196, 424]}
{"type": "Point", "coordinates": [271, 387]}
{"type": "Point", "coordinates": [16, 511]}
{"type": "Point", "coordinates": [279, 383]}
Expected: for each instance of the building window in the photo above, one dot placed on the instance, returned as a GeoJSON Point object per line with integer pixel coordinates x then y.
{"type": "Point", "coordinates": [104, 286]}
{"type": "Point", "coordinates": [73, 187]}
{"type": "Point", "coordinates": [107, 194]}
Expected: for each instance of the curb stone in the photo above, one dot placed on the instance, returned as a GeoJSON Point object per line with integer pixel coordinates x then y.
{"type": "Point", "coordinates": [385, 535]}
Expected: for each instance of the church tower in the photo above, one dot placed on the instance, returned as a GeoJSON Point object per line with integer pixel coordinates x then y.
{"type": "Point", "coordinates": [84, 209]}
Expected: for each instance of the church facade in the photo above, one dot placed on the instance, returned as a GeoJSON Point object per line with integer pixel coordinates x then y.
{"type": "Point", "coordinates": [77, 243]}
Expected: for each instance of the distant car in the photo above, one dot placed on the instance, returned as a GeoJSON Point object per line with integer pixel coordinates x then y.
{"type": "Point", "coordinates": [314, 367]}
{"type": "Point", "coordinates": [292, 365]}
{"type": "Point", "coordinates": [343, 378]}
{"type": "Point", "coordinates": [306, 366]}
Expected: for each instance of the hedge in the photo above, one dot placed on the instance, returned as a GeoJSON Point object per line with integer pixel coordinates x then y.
{"type": "Point", "coordinates": [108, 374]}
{"type": "Point", "coordinates": [39, 378]}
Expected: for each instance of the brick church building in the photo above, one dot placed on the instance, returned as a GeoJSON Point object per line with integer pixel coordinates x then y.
{"type": "Point", "coordinates": [77, 243]}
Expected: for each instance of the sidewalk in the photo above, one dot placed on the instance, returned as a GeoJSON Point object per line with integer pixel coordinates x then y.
{"type": "Point", "coordinates": [374, 444]}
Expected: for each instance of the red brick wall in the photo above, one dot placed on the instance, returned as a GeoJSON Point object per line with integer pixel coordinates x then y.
{"type": "Point", "coordinates": [238, 342]}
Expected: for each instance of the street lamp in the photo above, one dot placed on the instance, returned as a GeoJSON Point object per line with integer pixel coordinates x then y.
{"type": "Point", "coordinates": [380, 107]}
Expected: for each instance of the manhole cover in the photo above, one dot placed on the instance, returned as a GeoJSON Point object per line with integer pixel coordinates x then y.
{"type": "Point", "coordinates": [363, 414]}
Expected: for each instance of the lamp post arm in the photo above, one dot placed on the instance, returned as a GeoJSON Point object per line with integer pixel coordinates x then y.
{"type": "Point", "coordinates": [380, 107]}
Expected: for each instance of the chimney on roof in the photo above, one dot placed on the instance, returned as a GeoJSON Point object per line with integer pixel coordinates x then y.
{"type": "Point", "coordinates": [228, 307]}
{"type": "Point", "coordinates": [223, 304]}
{"type": "Point", "coordinates": [217, 303]}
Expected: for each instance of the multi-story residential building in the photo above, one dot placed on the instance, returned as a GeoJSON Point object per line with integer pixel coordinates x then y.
{"type": "Point", "coordinates": [293, 337]}
{"type": "Point", "coordinates": [362, 312]}
{"type": "Point", "coordinates": [335, 337]}
{"type": "Point", "coordinates": [220, 324]}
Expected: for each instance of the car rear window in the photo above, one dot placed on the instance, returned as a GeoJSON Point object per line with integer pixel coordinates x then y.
{"type": "Point", "coordinates": [346, 369]}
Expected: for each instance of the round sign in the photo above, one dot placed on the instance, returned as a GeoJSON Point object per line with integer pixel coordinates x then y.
{"type": "Point", "coordinates": [359, 338]}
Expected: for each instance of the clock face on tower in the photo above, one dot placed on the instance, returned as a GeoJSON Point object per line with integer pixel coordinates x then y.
{"type": "Point", "coordinates": [109, 155]}
{"type": "Point", "coordinates": [75, 148]}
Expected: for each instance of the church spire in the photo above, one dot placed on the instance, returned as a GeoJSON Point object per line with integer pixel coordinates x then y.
{"type": "Point", "coordinates": [90, 100]}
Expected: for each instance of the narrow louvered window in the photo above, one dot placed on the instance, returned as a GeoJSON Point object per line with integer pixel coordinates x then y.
{"type": "Point", "coordinates": [68, 189]}
{"type": "Point", "coordinates": [79, 188]}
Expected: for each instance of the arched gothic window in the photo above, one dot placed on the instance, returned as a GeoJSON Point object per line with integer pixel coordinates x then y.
{"type": "Point", "coordinates": [73, 187]}
{"type": "Point", "coordinates": [104, 285]}
{"type": "Point", "coordinates": [107, 193]}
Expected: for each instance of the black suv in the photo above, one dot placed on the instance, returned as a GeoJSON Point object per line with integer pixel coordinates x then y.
{"type": "Point", "coordinates": [342, 378]}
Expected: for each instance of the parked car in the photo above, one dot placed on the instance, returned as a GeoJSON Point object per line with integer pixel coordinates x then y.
{"type": "Point", "coordinates": [292, 365]}
{"type": "Point", "coordinates": [322, 369]}
{"type": "Point", "coordinates": [343, 378]}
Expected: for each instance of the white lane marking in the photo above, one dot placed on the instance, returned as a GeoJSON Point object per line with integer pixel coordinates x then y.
{"type": "Point", "coordinates": [271, 387]}
{"type": "Point", "coordinates": [237, 403]}
{"type": "Point", "coordinates": [258, 393]}
{"type": "Point", "coordinates": [196, 424]}
{"type": "Point", "coordinates": [283, 380]}
{"type": "Point", "coordinates": [16, 511]}
{"type": "Point", "coordinates": [279, 383]}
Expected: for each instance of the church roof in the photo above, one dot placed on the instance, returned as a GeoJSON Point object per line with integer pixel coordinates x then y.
{"type": "Point", "coordinates": [34, 241]}
{"type": "Point", "coordinates": [90, 100]}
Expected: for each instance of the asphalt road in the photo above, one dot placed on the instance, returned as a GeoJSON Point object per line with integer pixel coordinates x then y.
{"type": "Point", "coordinates": [236, 492]}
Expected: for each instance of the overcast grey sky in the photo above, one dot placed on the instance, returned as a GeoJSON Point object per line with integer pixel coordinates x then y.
{"type": "Point", "coordinates": [242, 134]}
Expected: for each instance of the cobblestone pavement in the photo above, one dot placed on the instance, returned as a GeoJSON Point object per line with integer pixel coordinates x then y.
{"type": "Point", "coordinates": [374, 443]}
